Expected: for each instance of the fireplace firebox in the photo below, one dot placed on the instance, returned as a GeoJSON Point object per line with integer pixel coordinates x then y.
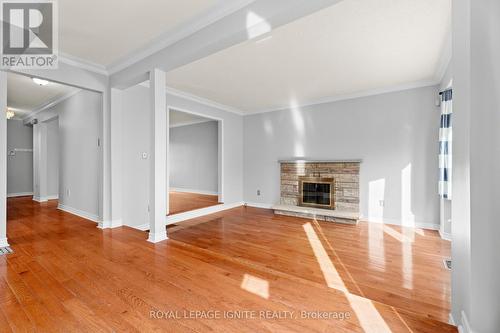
{"type": "Point", "coordinates": [317, 192]}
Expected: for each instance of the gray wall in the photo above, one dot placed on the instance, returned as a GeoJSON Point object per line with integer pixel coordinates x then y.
{"type": "Point", "coordinates": [79, 156]}
{"type": "Point", "coordinates": [135, 122]}
{"type": "Point", "coordinates": [476, 161]}
{"type": "Point", "coordinates": [20, 166]}
{"type": "Point", "coordinates": [194, 157]}
{"type": "Point", "coordinates": [395, 134]}
{"type": "Point", "coordinates": [53, 158]}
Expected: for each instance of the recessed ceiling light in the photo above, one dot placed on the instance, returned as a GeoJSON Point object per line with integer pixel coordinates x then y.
{"type": "Point", "coordinates": [40, 82]}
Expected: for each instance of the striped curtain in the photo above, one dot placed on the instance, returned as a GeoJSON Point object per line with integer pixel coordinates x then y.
{"type": "Point", "coordinates": [445, 145]}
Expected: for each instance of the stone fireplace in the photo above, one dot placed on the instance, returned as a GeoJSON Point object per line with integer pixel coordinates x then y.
{"type": "Point", "coordinates": [325, 190]}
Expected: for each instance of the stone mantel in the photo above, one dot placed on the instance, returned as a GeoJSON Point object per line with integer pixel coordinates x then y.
{"type": "Point", "coordinates": [297, 161]}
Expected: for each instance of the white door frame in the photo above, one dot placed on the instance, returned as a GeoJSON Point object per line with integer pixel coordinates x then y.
{"type": "Point", "coordinates": [220, 148]}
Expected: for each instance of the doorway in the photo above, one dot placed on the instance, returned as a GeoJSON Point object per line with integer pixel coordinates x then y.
{"type": "Point", "coordinates": [195, 161]}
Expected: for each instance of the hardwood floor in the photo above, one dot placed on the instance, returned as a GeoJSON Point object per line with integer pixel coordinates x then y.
{"type": "Point", "coordinates": [183, 201]}
{"type": "Point", "coordinates": [66, 275]}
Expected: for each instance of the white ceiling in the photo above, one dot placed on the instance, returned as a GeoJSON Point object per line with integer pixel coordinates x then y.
{"type": "Point", "coordinates": [25, 96]}
{"type": "Point", "coordinates": [179, 118]}
{"type": "Point", "coordinates": [351, 47]}
{"type": "Point", "coordinates": [102, 32]}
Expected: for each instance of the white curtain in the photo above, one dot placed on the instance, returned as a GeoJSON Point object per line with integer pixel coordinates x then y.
{"type": "Point", "coordinates": [445, 144]}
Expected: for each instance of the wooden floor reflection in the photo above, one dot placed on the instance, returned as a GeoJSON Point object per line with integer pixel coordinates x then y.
{"type": "Point", "coordinates": [66, 275]}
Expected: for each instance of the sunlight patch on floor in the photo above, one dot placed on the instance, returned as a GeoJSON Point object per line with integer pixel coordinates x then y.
{"type": "Point", "coordinates": [255, 285]}
{"type": "Point", "coordinates": [368, 316]}
{"type": "Point", "coordinates": [401, 237]}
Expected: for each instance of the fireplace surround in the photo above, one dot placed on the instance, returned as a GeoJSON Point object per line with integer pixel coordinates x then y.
{"type": "Point", "coordinates": [322, 190]}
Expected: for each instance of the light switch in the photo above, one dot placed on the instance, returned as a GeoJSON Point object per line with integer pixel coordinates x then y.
{"type": "Point", "coordinates": [144, 156]}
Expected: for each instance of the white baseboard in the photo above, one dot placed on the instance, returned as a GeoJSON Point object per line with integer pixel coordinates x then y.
{"type": "Point", "coordinates": [45, 199]}
{"type": "Point", "coordinates": [80, 213]}
{"type": "Point", "coordinates": [200, 212]}
{"type": "Point", "coordinates": [445, 235]}
{"type": "Point", "coordinates": [4, 242]}
{"type": "Point", "coordinates": [259, 205]}
{"type": "Point", "coordinates": [451, 320]}
{"type": "Point", "coordinates": [20, 194]}
{"type": "Point", "coordinates": [142, 227]}
{"type": "Point", "coordinates": [416, 224]}
{"type": "Point", "coordinates": [110, 224]}
{"type": "Point", "coordinates": [158, 236]}
{"type": "Point", "coordinates": [189, 190]}
{"type": "Point", "coordinates": [464, 327]}
{"type": "Point", "coordinates": [39, 199]}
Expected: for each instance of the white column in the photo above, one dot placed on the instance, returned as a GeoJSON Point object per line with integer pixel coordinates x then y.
{"type": "Point", "coordinates": [116, 161]}
{"type": "Point", "coordinates": [158, 157]}
{"type": "Point", "coordinates": [3, 160]}
{"type": "Point", "coordinates": [40, 162]}
{"type": "Point", "coordinates": [105, 178]}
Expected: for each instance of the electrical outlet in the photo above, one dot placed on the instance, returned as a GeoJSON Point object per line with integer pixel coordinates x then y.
{"type": "Point", "coordinates": [258, 192]}
{"type": "Point", "coordinates": [381, 203]}
{"type": "Point", "coordinates": [68, 192]}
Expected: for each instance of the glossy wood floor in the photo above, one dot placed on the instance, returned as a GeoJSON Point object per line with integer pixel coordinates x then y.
{"type": "Point", "coordinates": [183, 201]}
{"type": "Point", "coordinates": [67, 276]}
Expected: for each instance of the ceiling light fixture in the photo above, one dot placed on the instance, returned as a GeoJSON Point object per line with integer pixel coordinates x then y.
{"type": "Point", "coordinates": [9, 114]}
{"type": "Point", "coordinates": [40, 82]}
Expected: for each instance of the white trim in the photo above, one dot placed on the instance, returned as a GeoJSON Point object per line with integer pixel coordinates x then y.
{"type": "Point", "coordinates": [360, 94]}
{"type": "Point", "coordinates": [416, 224]}
{"type": "Point", "coordinates": [45, 199]}
{"type": "Point", "coordinates": [204, 101]}
{"type": "Point", "coordinates": [80, 213]}
{"type": "Point", "coordinates": [200, 212]}
{"type": "Point", "coordinates": [141, 227]}
{"type": "Point", "coordinates": [223, 9]}
{"type": "Point", "coordinates": [110, 224]}
{"type": "Point", "coordinates": [39, 199]}
{"type": "Point", "coordinates": [20, 194]}
{"type": "Point", "coordinates": [444, 59]}
{"type": "Point", "coordinates": [444, 235]}
{"type": "Point", "coordinates": [82, 64]}
{"type": "Point", "coordinates": [192, 122]}
{"type": "Point", "coordinates": [464, 327]}
{"type": "Point", "coordinates": [4, 242]}
{"type": "Point", "coordinates": [451, 320]}
{"type": "Point", "coordinates": [51, 103]}
{"type": "Point", "coordinates": [190, 190]}
{"type": "Point", "coordinates": [198, 99]}
{"type": "Point", "coordinates": [157, 237]}
{"type": "Point", "coordinates": [259, 205]}
{"type": "Point", "coordinates": [220, 148]}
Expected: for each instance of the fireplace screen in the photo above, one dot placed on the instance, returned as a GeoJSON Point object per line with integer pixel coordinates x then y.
{"type": "Point", "coordinates": [317, 192]}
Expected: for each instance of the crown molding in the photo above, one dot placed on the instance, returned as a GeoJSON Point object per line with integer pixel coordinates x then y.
{"type": "Point", "coordinates": [202, 100]}
{"type": "Point", "coordinates": [51, 103]}
{"type": "Point", "coordinates": [192, 122]}
{"type": "Point", "coordinates": [198, 99]}
{"type": "Point", "coordinates": [221, 10]}
{"type": "Point", "coordinates": [360, 94]}
{"type": "Point", "coordinates": [83, 64]}
{"type": "Point", "coordinates": [444, 59]}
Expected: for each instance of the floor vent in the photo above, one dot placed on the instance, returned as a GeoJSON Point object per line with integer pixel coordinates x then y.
{"type": "Point", "coordinates": [447, 264]}
{"type": "Point", "coordinates": [5, 250]}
